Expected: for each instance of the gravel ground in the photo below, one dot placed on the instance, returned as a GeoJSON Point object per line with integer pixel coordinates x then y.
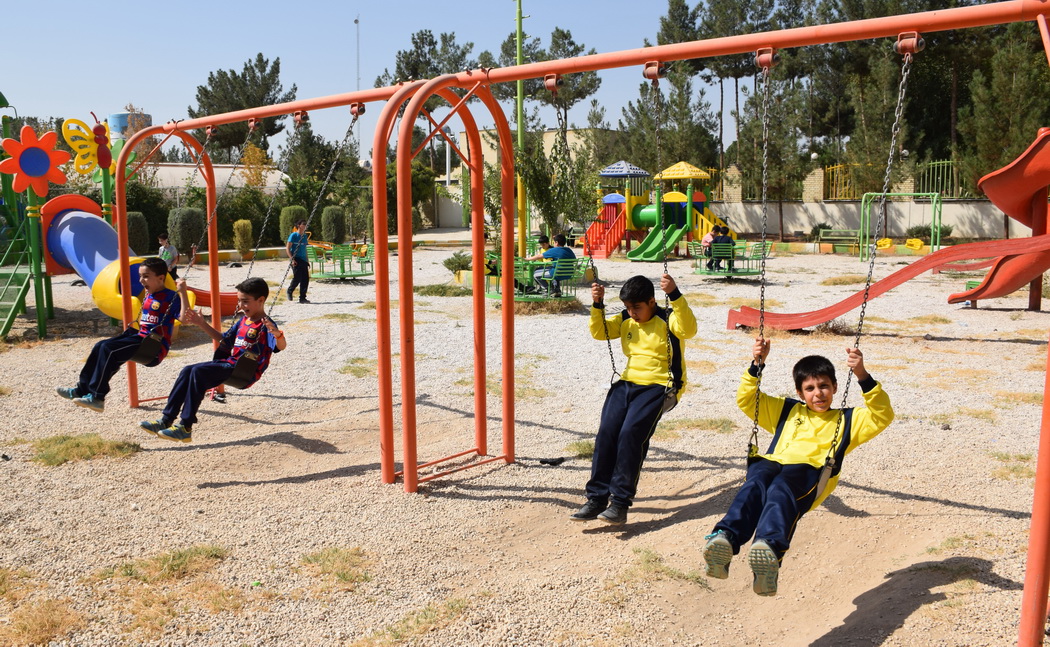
{"type": "Point", "coordinates": [923, 543]}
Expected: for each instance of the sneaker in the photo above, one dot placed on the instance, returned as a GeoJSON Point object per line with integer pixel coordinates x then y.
{"type": "Point", "coordinates": [556, 294]}
{"type": "Point", "coordinates": [614, 514]}
{"type": "Point", "coordinates": [304, 300]}
{"type": "Point", "coordinates": [590, 510]}
{"type": "Point", "coordinates": [718, 552]}
{"type": "Point", "coordinates": [67, 392]}
{"type": "Point", "coordinates": [765, 566]}
{"type": "Point", "coordinates": [218, 397]}
{"type": "Point", "coordinates": [177, 432]}
{"type": "Point", "coordinates": [154, 426]}
{"type": "Point", "coordinates": [90, 402]}
{"type": "Point", "coordinates": [289, 295]}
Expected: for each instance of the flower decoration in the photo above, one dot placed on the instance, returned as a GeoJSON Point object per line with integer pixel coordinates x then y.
{"type": "Point", "coordinates": [34, 162]}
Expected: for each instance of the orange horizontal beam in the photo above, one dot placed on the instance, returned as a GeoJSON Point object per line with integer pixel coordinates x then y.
{"type": "Point", "coordinates": [995, 13]}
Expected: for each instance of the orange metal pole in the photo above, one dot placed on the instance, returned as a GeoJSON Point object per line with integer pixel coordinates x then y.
{"type": "Point", "coordinates": [382, 275]}
{"type": "Point", "coordinates": [507, 309]}
{"type": "Point", "coordinates": [1044, 32]}
{"type": "Point", "coordinates": [1037, 570]}
{"type": "Point", "coordinates": [477, 250]}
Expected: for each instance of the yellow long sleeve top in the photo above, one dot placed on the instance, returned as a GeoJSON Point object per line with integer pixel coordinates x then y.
{"type": "Point", "coordinates": [801, 435]}
{"type": "Point", "coordinates": [645, 344]}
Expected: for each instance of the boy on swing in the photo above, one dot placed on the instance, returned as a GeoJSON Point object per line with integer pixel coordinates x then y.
{"type": "Point", "coordinates": [783, 484]}
{"type": "Point", "coordinates": [254, 331]}
{"type": "Point", "coordinates": [649, 386]}
{"type": "Point", "coordinates": [159, 310]}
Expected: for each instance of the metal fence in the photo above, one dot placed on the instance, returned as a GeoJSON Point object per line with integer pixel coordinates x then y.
{"type": "Point", "coordinates": [942, 177]}
{"type": "Point", "coordinates": [839, 184]}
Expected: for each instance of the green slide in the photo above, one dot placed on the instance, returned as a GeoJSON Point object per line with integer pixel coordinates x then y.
{"type": "Point", "coordinates": [658, 243]}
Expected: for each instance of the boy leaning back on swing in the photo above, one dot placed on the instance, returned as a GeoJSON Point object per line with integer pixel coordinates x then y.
{"type": "Point", "coordinates": [253, 331]}
{"type": "Point", "coordinates": [785, 482]}
{"type": "Point", "coordinates": [159, 310]}
{"type": "Point", "coordinates": [647, 388]}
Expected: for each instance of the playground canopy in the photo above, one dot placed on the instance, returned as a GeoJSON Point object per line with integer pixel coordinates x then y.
{"type": "Point", "coordinates": [682, 171]}
{"type": "Point", "coordinates": [623, 169]}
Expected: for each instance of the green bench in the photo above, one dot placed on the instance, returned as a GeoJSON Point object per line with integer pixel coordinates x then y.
{"type": "Point", "coordinates": [737, 259]}
{"type": "Point", "coordinates": [570, 274]}
{"type": "Point", "coordinates": [840, 237]}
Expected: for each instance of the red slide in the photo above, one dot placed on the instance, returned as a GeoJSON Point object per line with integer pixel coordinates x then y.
{"type": "Point", "coordinates": [227, 300]}
{"type": "Point", "coordinates": [1013, 189]}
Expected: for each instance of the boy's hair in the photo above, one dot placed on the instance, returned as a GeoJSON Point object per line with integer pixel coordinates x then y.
{"type": "Point", "coordinates": [813, 366]}
{"type": "Point", "coordinates": [725, 231]}
{"type": "Point", "coordinates": [162, 236]}
{"type": "Point", "coordinates": [543, 240]}
{"type": "Point", "coordinates": [254, 287]}
{"type": "Point", "coordinates": [156, 265]}
{"type": "Point", "coordinates": [637, 289]}
{"type": "Point", "coordinates": [560, 239]}
{"type": "Point", "coordinates": [299, 222]}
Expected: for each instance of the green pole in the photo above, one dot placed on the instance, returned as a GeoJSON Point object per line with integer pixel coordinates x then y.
{"type": "Point", "coordinates": [10, 199]}
{"type": "Point", "coordinates": [523, 224]}
{"type": "Point", "coordinates": [33, 213]}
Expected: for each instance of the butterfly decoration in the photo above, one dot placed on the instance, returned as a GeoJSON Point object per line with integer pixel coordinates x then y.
{"type": "Point", "coordinates": [89, 143]}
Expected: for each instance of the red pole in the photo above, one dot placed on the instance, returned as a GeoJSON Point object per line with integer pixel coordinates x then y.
{"type": "Point", "coordinates": [1037, 575]}
{"type": "Point", "coordinates": [382, 276]}
{"type": "Point", "coordinates": [1038, 210]}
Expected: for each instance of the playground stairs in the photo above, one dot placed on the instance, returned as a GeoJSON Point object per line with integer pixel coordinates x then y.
{"type": "Point", "coordinates": [604, 237]}
{"type": "Point", "coordinates": [15, 275]}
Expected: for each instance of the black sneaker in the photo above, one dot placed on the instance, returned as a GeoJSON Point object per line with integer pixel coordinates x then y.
{"type": "Point", "coordinates": [614, 514]}
{"type": "Point", "coordinates": [289, 295]}
{"type": "Point", "coordinates": [304, 301]}
{"type": "Point", "coordinates": [590, 510]}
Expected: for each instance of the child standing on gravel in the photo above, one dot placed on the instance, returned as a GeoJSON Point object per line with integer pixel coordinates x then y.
{"type": "Point", "coordinates": [254, 332]}
{"type": "Point", "coordinates": [647, 388]}
{"type": "Point", "coordinates": [784, 483]}
{"type": "Point", "coordinates": [159, 310]}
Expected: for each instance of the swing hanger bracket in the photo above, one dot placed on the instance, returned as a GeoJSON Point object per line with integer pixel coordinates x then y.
{"type": "Point", "coordinates": [301, 117]}
{"type": "Point", "coordinates": [552, 82]}
{"type": "Point", "coordinates": [766, 58]}
{"type": "Point", "coordinates": [211, 130]}
{"type": "Point", "coordinates": [908, 43]}
{"type": "Point", "coordinates": [654, 71]}
{"type": "Point", "coordinates": [253, 123]}
{"type": "Point", "coordinates": [357, 109]}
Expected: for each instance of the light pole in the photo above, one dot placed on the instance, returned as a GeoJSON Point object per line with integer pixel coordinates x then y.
{"type": "Point", "coordinates": [357, 26]}
{"type": "Point", "coordinates": [522, 216]}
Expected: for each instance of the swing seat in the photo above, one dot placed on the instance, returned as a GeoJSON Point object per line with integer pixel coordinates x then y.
{"type": "Point", "coordinates": [884, 243]}
{"type": "Point", "coordinates": [243, 374]}
{"type": "Point", "coordinates": [914, 243]}
{"type": "Point", "coordinates": [150, 348]}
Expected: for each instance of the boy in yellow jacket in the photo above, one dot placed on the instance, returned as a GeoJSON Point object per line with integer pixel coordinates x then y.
{"type": "Point", "coordinates": [782, 484]}
{"type": "Point", "coordinates": [653, 339]}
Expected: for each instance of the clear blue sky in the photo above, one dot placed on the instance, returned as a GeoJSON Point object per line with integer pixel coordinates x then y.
{"type": "Point", "coordinates": [154, 55]}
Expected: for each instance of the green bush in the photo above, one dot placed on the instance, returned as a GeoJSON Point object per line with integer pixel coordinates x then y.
{"type": "Point", "coordinates": [186, 228]}
{"type": "Point", "coordinates": [289, 216]}
{"type": "Point", "coordinates": [333, 225]}
{"type": "Point", "coordinates": [923, 232]}
{"type": "Point", "coordinates": [458, 261]}
{"type": "Point", "coordinates": [138, 233]}
{"type": "Point", "coordinates": [359, 220]}
{"type": "Point", "coordinates": [814, 234]}
{"type": "Point", "coordinates": [242, 237]}
{"type": "Point", "coordinates": [152, 203]}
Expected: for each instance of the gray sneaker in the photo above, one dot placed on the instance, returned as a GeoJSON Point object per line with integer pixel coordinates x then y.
{"type": "Point", "coordinates": [154, 426]}
{"type": "Point", "coordinates": [765, 566]}
{"type": "Point", "coordinates": [67, 392]}
{"type": "Point", "coordinates": [90, 402]}
{"type": "Point", "coordinates": [718, 552]}
{"type": "Point", "coordinates": [177, 432]}
{"type": "Point", "coordinates": [614, 514]}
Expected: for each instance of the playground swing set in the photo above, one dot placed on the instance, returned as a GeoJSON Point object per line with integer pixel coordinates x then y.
{"type": "Point", "coordinates": [1020, 190]}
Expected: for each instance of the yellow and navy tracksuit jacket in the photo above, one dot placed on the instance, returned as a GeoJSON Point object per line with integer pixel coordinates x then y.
{"type": "Point", "coordinates": [804, 436]}
{"type": "Point", "coordinates": [645, 344]}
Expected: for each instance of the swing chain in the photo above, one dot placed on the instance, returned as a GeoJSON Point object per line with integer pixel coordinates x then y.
{"type": "Point", "coordinates": [829, 461]}
{"type": "Point", "coordinates": [320, 196]}
{"type": "Point", "coordinates": [752, 446]}
{"type": "Point", "coordinates": [658, 113]}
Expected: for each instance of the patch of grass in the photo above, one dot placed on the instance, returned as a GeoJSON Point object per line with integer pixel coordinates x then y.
{"type": "Point", "coordinates": [217, 597]}
{"type": "Point", "coordinates": [170, 566]}
{"type": "Point", "coordinates": [581, 448]}
{"type": "Point", "coordinates": [416, 624]}
{"type": "Point", "coordinates": [668, 429]}
{"type": "Point", "coordinates": [58, 450]}
{"type": "Point", "coordinates": [931, 319]}
{"type": "Point", "coordinates": [561, 306]}
{"type": "Point", "coordinates": [987, 415]}
{"type": "Point", "coordinates": [1017, 467]}
{"type": "Point", "coordinates": [442, 290]}
{"type": "Point", "coordinates": [41, 622]}
{"type": "Point", "coordinates": [951, 543]}
{"type": "Point", "coordinates": [343, 316]}
{"type": "Point", "coordinates": [346, 566]}
{"type": "Point", "coordinates": [14, 584]}
{"type": "Point", "coordinates": [649, 567]}
{"type": "Point", "coordinates": [739, 302]}
{"type": "Point", "coordinates": [1033, 333]}
{"type": "Point", "coordinates": [836, 328]}
{"type": "Point", "coordinates": [1037, 366]}
{"type": "Point", "coordinates": [151, 610]}
{"type": "Point", "coordinates": [1017, 397]}
{"type": "Point", "coordinates": [1006, 457]}
{"type": "Point", "coordinates": [5, 390]}
{"type": "Point", "coordinates": [845, 279]}
{"type": "Point", "coordinates": [360, 367]}
{"type": "Point", "coordinates": [702, 366]}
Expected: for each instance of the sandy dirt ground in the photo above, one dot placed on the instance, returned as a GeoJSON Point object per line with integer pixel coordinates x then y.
{"type": "Point", "coordinates": [923, 543]}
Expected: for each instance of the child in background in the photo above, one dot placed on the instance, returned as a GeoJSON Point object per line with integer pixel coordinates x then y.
{"type": "Point", "coordinates": [159, 310]}
{"type": "Point", "coordinates": [782, 484]}
{"type": "Point", "coordinates": [636, 401]}
{"type": "Point", "coordinates": [169, 255]}
{"type": "Point", "coordinates": [254, 331]}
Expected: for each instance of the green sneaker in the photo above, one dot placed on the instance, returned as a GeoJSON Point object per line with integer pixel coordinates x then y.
{"type": "Point", "coordinates": [718, 552]}
{"type": "Point", "coordinates": [90, 402]}
{"type": "Point", "coordinates": [177, 432]}
{"type": "Point", "coordinates": [154, 426]}
{"type": "Point", "coordinates": [765, 566]}
{"type": "Point", "coordinates": [67, 392]}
